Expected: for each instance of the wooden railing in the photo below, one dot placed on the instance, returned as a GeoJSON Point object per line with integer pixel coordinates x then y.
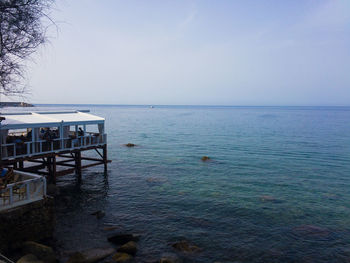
{"type": "Point", "coordinates": [17, 150]}
{"type": "Point", "coordinates": [27, 189]}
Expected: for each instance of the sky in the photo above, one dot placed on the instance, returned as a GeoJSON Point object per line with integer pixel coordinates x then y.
{"type": "Point", "coordinates": [239, 52]}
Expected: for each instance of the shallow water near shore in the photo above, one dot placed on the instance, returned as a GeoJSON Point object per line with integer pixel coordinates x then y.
{"type": "Point", "coordinates": [276, 189]}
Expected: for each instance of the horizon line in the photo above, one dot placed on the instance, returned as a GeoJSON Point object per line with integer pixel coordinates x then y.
{"type": "Point", "coordinates": [183, 105]}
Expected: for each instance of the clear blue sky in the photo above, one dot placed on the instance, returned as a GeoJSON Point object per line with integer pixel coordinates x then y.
{"type": "Point", "coordinates": [271, 52]}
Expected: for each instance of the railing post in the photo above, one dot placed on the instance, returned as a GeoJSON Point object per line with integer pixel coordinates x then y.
{"type": "Point", "coordinates": [14, 150]}
{"type": "Point", "coordinates": [33, 140]}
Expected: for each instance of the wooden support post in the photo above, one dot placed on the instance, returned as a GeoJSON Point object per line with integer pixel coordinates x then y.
{"type": "Point", "coordinates": [105, 161]}
{"type": "Point", "coordinates": [54, 169]}
{"type": "Point", "coordinates": [78, 164]}
{"type": "Point", "coordinates": [49, 169]}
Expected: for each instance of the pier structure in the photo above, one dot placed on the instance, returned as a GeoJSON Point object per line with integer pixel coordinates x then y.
{"type": "Point", "coordinates": [53, 144]}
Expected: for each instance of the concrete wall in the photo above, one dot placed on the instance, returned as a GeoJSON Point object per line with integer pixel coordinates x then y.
{"type": "Point", "coordinates": [34, 222]}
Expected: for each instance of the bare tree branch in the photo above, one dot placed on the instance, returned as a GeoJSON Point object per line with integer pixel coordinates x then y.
{"type": "Point", "coordinates": [22, 31]}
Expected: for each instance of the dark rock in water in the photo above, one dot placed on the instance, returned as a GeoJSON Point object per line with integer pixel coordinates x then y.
{"type": "Point", "coordinates": [184, 246]}
{"type": "Point", "coordinates": [99, 214]}
{"type": "Point", "coordinates": [129, 248]}
{"type": "Point", "coordinates": [122, 238]}
{"type": "Point", "coordinates": [205, 158]}
{"type": "Point", "coordinates": [170, 258]}
{"type": "Point", "coordinates": [122, 257]}
{"type": "Point", "coordinates": [29, 258]}
{"type": "Point", "coordinates": [42, 252]}
{"type": "Point", "coordinates": [311, 231]}
{"type": "Point", "coordinates": [130, 145]}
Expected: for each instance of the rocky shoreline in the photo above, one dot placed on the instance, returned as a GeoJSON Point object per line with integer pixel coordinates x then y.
{"type": "Point", "coordinates": [123, 247]}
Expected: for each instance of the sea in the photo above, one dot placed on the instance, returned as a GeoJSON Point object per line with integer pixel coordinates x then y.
{"type": "Point", "coordinates": [275, 189]}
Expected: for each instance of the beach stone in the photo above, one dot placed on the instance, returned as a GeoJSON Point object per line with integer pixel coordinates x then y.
{"type": "Point", "coordinates": [122, 257]}
{"type": "Point", "coordinates": [129, 248]}
{"type": "Point", "coordinates": [29, 258]}
{"type": "Point", "coordinates": [42, 252]}
{"type": "Point", "coordinates": [130, 145]}
{"type": "Point", "coordinates": [170, 258]}
{"type": "Point", "coordinates": [205, 158]}
{"type": "Point", "coordinates": [122, 238]}
{"type": "Point", "coordinates": [184, 246]}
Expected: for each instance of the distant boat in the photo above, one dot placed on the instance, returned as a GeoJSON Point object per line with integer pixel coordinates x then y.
{"type": "Point", "coordinates": [151, 107]}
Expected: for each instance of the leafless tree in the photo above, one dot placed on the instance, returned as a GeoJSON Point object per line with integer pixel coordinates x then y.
{"type": "Point", "coordinates": [23, 26]}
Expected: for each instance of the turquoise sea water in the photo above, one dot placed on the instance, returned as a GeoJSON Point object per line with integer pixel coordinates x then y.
{"type": "Point", "coordinates": [277, 187]}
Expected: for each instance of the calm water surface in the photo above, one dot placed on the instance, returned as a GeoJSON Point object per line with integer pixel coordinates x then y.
{"type": "Point", "coordinates": [277, 188]}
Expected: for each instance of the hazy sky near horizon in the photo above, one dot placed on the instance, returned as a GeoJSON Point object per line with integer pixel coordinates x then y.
{"type": "Point", "coordinates": [271, 52]}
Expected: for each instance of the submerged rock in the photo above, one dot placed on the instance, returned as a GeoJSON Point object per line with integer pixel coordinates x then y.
{"type": "Point", "coordinates": [122, 257]}
{"type": "Point", "coordinates": [267, 198]}
{"type": "Point", "coordinates": [122, 238]}
{"type": "Point", "coordinates": [129, 248]}
{"type": "Point", "coordinates": [91, 255]}
{"type": "Point", "coordinates": [97, 254]}
{"type": "Point", "coordinates": [184, 246]}
{"type": "Point", "coordinates": [76, 257]}
{"type": "Point", "coordinates": [170, 258]}
{"type": "Point", "coordinates": [29, 258]}
{"type": "Point", "coordinates": [110, 228]}
{"type": "Point", "coordinates": [130, 145]}
{"type": "Point", "coordinates": [311, 231]}
{"type": "Point", "coordinates": [205, 158]}
{"type": "Point", "coordinates": [99, 214]}
{"type": "Point", "coordinates": [42, 252]}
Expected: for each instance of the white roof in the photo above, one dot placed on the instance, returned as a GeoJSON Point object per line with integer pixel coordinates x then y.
{"type": "Point", "coordinates": [47, 119]}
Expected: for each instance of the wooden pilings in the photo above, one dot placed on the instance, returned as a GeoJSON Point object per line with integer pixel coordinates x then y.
{"type": "Point", "coordinates": [105, 160]}
{"type": "Point", "coordinates": [77, 159]}
{"type": "Point", "coordinates": [53, 165]}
